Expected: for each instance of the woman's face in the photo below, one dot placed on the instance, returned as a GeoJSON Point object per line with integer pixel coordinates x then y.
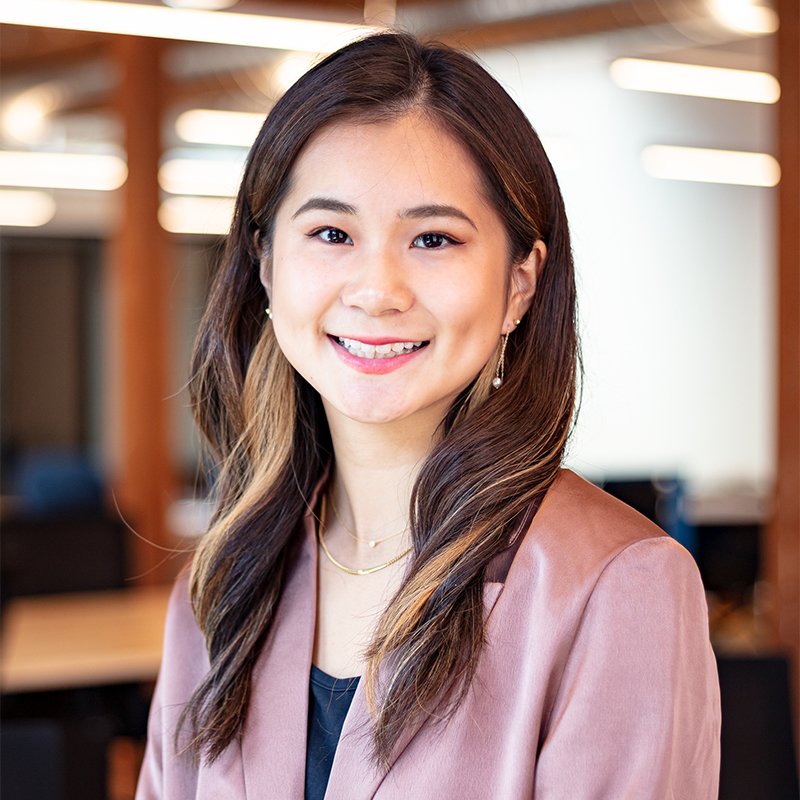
{"type": "Point", "coordinates": [388, 274]}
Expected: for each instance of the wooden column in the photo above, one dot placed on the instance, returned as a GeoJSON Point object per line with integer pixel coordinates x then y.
{"type": "Point", "coordinates": [782, 541]}
{"type": "Point", "coordinates": [141, 283]}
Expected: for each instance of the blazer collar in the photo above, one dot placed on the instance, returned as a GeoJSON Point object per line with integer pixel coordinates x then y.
{"type": "Point", "coordinates": [273, 744]}
{"type": "Point", "coordinates": [354, 775]}
{"type": "Point", "coordinates": [274, 737]}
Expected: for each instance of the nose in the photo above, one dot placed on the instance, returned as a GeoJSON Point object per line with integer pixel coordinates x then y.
{"type": "Point", "coordinates": [379, 284]}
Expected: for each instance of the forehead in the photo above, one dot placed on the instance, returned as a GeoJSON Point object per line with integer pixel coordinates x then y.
{"type": "Point", "coordinates": [409, 156]}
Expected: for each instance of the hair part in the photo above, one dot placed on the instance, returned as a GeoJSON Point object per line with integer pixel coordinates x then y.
{"type": "Point", "coordinates": [498, 453]}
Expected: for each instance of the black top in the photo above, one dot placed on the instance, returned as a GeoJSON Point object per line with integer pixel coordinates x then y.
{"type": "Point", "coordinates": [329, 699]}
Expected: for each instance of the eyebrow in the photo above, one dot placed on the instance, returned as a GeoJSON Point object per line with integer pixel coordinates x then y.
{"type": "Point", "coordinates": [418, 212]}
{"type": "Point", "coordinates": [423, 212]}
{"type": "Point", "coordinates": [325, 204]}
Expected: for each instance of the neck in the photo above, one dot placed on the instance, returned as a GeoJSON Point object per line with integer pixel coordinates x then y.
{"type": "Point", "coordinates": [375, 468]}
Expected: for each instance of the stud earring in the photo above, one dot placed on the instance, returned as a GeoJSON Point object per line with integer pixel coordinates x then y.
{"type": "Point", "coordinates": [269, 312]}
{"type": "Point", "coordinates": [517, 321]}
{"type": "Point", "coordinates": [499, 374]}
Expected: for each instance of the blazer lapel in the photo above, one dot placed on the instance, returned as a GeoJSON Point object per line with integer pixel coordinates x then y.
{"type": "Point", "coordinates": [274, 739]}
{"type": "Point", "coordinates": [354, 775]}
{"type": "Point", "coordinates": [274, 742]}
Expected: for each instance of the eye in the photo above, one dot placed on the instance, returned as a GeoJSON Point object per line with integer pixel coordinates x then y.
{"type": "Point", "coordinates": [433, 241]}
{"type": "Point", "coordinates": [332, 236]}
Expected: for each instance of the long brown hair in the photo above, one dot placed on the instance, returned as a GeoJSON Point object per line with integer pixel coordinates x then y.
{"type": "Point", "coordinates": [499, 451]}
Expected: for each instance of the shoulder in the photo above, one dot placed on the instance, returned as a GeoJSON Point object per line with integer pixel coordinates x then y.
{"type": "Point", "coordinates": [604, 588]}
{"type": "Point", "coordinates": [619, 615]}
{"type": "Point", "coordinates": [577, 509]}
{"type": "Point", "coordinates": [583, 543]}
{"type": "Point", "coordinates": [582, 529]}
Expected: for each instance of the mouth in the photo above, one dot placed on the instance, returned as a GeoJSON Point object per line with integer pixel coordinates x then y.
{"type": "Point", "coordinates": [376, 351]}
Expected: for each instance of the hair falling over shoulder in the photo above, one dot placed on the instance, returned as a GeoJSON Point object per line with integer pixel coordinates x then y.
{"type": "Point", "coordinates": [499, 452]}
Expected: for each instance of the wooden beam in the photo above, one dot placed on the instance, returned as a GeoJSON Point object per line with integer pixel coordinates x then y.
{"type": "Point", "coordinates": [782, 536]}
{"type": "Point", "coordinates": [141, 280]}
{"type": "Point", "coordinates": [574, 22]}
{"type": "Point", "coordinates": [26, 49]}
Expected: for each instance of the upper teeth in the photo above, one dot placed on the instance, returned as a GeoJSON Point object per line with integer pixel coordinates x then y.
{"type": "Point", "coordinates": [363, 350]}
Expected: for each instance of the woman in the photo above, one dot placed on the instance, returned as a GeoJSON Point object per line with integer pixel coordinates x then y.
{"type": "Point", "coordinates": [390, 499]}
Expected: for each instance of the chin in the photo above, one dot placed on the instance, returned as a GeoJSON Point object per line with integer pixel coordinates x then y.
{"type": "Point", "coordinates": [373, 414]}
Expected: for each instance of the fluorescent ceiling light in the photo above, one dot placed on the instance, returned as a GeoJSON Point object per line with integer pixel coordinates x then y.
{"type": "Point", "coordinates": [196, 176]}
{"type": "Point", "coordinates": [204, 215]}
{"type": "Point", "coordinates": [206, 5]}
{"type": "Point", "coordinates": [204, 126]}
{"type": "Point", "coordinates": [710, 166]}
{"type": "Point", "coordinates": [26, 209]}
{"type": "Point", "coordinates": [222, 27]}
{"type": "Point", "coordinates": [25, 116]}
{"type": "Point", "coordinates": [62, 170]}
{"type": "Point", "coordinates": [745, 16]}
{"type": "Point", "coordinates": [695, 80]}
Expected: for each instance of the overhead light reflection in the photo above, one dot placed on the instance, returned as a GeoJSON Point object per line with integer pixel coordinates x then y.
{"type": "Point", "coordinates": [198, 215]}
{"type": "Point", "coordinates": [221, 27]}
{"type": "Point", "coordinates": [695, 80]}
{"type": "Point", "coordinates": [204, 5]}
{"type": "Point", "coordinates": [711, 166]}
{"type": "Point", "coordinates": [24, 117]}
{"type": "Point", "coordinates": [26, 209]}
{"type": "Point", "coordinates": [204, 126]}
{"type": "Point", "coordinates": [745, 16]}
{"type": "Point", "coordinates": [200, 177]}
{"type": "Point", "coordinates": [62, 170]}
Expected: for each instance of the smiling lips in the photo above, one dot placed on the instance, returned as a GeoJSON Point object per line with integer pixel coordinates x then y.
{"type": "Point", "coordinates": [376, 351]}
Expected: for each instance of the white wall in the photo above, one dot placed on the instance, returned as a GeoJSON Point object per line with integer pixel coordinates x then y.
{"type": "Point", "coordinates": [675, 278]}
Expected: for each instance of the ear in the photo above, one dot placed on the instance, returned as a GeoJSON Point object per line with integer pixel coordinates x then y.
{"type": "Point", "coordinates": [523, 285]}
{"type": "Point", "coordinates": [265, 272]}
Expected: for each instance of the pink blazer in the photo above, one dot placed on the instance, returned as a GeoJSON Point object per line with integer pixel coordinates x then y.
{"type": "Point", "coordinates": [597, 680]}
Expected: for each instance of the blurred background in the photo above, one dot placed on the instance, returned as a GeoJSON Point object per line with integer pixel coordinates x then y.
{"type": "Point", "coordinates": [674, 129]}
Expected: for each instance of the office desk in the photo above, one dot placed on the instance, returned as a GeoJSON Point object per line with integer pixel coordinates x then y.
{"type": "Point", "coordinates": [73, 640]}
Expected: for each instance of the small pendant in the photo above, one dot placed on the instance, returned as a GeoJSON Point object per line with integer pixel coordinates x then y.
{"type": "Point", "coordinates": [372, 544]}
{"type": "Point", "coordinates": [497, 383]}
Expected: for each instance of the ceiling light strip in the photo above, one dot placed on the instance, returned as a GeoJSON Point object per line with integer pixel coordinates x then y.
{"type": "Point", "coordinates": [26, 209]}
{"type": "Point", "coordinates": [710, 166]}
{"type": "Point", "coordinates": [137, 19]}
{"type": "Point", "coordinates": [745, 16]}
{"type": "Point", "coordinates": [196, 215]}
{"type": "Point", "coordinates": [695, 80]}
{"type": "Point", "coordinates": [62, 170]}
{"type": "Point", "coordinates": [207, 126]}
{"type": "Point", "coordinates": [187, 176]}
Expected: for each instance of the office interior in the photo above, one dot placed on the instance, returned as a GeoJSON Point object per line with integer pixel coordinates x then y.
{"type": "Point", "coordinates": [674, 130]}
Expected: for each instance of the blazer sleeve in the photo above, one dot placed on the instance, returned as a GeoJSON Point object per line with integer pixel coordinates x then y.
{"type": "Point", "coordinates": [637, 711]}
{"type": "Point", "coordinates": [166, 774]}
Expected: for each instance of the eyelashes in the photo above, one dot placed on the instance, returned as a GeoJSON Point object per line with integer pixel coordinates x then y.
{"type": "Point", "coordinates": [432, 240]}
{"type": "Point", "coordinates": [331, 236]}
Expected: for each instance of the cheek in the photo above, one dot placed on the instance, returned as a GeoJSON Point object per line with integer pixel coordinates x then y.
{"type": "Point", "coordinates": [473, 303]}
{"type": "Point", "coordinates": [299, 294]}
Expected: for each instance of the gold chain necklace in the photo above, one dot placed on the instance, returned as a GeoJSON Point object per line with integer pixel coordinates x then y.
{"type": "Point", "coordinates": [370, 542]}
{"type": "Point", "coordinates": [342, 567]}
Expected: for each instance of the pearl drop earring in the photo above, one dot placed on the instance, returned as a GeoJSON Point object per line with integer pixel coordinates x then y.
{"type": "Point", "coordinates": [499, 374]}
